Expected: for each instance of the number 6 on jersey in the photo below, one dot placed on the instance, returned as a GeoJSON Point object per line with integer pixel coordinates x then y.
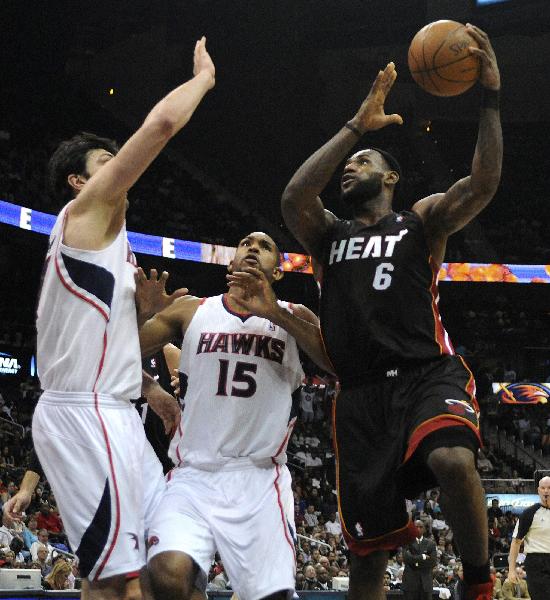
{"type": "Point", "coordinates": [382, 277]}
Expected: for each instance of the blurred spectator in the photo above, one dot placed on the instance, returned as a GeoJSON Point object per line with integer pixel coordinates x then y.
{"type": "Point", "coordinates": [30, 532]}
{"type": "Point", "coordinates": [310, 579]}
{"type": "Point", "coordinates": [42, 541]}
{"type": "Point", "coordinates": [494, 511]}
{"type": "Point", "coordinates": [333, 524]}
{"type": "Point", "coordinates": [58, 578]}
{"type": "Point", "coordinates": [42, 559]}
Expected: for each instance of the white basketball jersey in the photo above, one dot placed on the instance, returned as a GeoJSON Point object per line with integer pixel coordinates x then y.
{"type": "Point", "coordinates": [86, 321]}
{"type": "Point", "coordinates": [238, 374]}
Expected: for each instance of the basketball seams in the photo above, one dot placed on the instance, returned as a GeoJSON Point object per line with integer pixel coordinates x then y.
{"type": "Point", "coordinates": [467, 56]}
{"type": "Point", "coordinates": [453, 62]}
{"type": "Point", "coordinates": [443, 40]}
{"type": "Point", "coordinates": [427, 72]}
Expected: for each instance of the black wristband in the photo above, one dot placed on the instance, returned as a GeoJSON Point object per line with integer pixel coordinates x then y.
{"type": "Point", "coordinates": [354, 129]}
{"type": "Point", "coordinates": [490, 98]}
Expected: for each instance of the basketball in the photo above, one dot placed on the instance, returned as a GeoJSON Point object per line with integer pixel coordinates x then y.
{"type": "Point", "coordinates": [439, 60]}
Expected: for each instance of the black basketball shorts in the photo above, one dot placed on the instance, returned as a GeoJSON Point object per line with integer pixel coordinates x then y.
{"type": "Point", "coordinates": [383, 432]}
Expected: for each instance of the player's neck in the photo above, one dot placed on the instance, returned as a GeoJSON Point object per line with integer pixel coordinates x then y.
{"type": "Point", "coordinates": [231, 297]}
{"type": "Point", "coordinates": [372, 211]}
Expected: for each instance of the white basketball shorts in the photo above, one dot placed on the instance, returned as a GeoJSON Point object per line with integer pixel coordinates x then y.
{"type": "Point", "coordinates": [243, 514]}
{"type": "Point", "coordinates": [104, 474]}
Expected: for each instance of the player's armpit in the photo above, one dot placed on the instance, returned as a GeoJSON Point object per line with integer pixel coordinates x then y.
{"type": "Point", "coordinates": [306, 218]}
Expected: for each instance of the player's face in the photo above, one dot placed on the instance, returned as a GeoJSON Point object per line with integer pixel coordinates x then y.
{"type": "Point", "coordinates": [259, 251]}
{"type": "Point", "coordinates": [95, 160]}
{"type": "Point", "coordinates": [363, 176]}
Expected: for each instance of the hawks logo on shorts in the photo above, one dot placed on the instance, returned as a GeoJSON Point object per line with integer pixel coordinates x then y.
{"type": "Point", "coordinates": [152, 541]}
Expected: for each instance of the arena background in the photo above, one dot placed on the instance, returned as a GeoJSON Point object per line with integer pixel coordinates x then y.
{"type": "Point", "coordinates": [289, 74]}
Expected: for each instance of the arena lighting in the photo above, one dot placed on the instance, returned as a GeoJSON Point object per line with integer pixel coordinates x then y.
{"type": "Point", "coordinates": [142, 243]}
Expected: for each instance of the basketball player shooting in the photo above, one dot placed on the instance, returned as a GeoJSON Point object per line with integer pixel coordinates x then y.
{"type": "Point", "coordinates": [87, 435]}
{"type": "Point", "coordinates": [230, 490]}
{"type": "Point", "coordinates": [406, 417]}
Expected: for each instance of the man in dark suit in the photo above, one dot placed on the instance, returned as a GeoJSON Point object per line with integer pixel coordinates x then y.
{"type": "Point", "coordinates": [420, 559]}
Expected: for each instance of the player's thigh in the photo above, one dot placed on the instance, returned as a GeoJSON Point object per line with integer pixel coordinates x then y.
{"type": "Point", "coordinates": [110, 588]}
{"type": "Point", "coordinates": [96, 481]}
{"type": "Point", "coordinates": [252, 527]}
{"type": "Point", "coordinates": [180, 524]}
{"type": "Point", "coordinates": [154, 483]}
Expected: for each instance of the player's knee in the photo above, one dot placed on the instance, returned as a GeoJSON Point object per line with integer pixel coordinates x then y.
{"type": "Point", "coordinates": [452, 464]}
{"type": "Point", "coordinates": [171, 575]}
{"type": "Point", "coordinates": [133, 590]}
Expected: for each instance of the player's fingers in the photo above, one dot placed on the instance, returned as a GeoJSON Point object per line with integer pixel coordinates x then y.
{"type": "Point", "coordinates": [179, 293]}
{"type": "Point", "coordinates": [253, 272]}
{"type": "Point", "coordinates": [395, 119]}
{"type": "Point", "coordinates": [484, 56]}
{"type": "Point", "coordinates": [153, 275]}
{"type": "Point", "coordinates": [477, 30]}
{"type": "Point", "coordinates": [479, 36]}
{"type": "Point", "coordinates": [164, 277]}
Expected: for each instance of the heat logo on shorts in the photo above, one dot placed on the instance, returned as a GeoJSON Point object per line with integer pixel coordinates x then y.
{"type": "Point", "coordinates": [459, 407]}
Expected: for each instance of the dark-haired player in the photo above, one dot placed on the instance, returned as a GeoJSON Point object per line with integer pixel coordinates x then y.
{"type": "Point", "coordinates": [230, 490]}
{"type": "Point", "coordinates": [86, 433]}
{"type": "Point", "coordinates": [406, 417]}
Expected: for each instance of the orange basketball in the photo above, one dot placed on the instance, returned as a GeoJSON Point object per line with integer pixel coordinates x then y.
{"type": "Point", "coordinates": [439, 59]}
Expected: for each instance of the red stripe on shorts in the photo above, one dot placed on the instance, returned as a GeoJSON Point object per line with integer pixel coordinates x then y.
{"type": "Point", "coordinates": [111, 464]}
{"type": "Point", "coordinates": [279, 501]}
{"type": "Point", "coordinates": [433, 424]}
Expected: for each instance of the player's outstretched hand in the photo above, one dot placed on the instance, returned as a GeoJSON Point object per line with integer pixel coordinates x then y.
{"type": "Point", "coordinates": [166, 407]}
{"type": "Point", "coordinates": [13, 509]}
{"type": "Point", "coordinates": [202, 62]}
{"type": "Point", "coordinates": [371, 114]}
{"type": "Point", "coordinates": [151, 296]}
{"type": "Point", "coordinates": [256, 294]}
{"type": "Point", "coordinates": [490, 75]}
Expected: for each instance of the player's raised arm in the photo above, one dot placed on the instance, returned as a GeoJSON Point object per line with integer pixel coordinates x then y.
{"type": "Point", "coordinates": [443, 214]}
{"type": "Point", "coordinates": [301, 206]}
{"type": "Point", "coordinates": [104, 193]}
{"type": "Point", "coordinates": [163, 327]}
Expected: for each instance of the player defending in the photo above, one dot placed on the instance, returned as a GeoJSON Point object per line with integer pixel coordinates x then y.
{"type": "Point", "coordinates": [231, 489]}
{"type": "Point", "coordinates": [406, 416]}
{"type": "Point", "coordinates": [87, 435]}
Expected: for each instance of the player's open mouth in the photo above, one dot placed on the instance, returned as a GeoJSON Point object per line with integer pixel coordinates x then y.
{"type": "Point", "coordinates": [346, 179]}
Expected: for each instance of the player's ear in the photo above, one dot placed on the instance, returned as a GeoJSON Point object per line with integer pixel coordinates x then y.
{"type": "Point", "coordinates": [278, 274]}
{"type": "Point", "coordinates": [391, 177]}
{"type": "Point", "coordinates": [76, 181]}
{"type": "Point", "coordinates": [230, 267]}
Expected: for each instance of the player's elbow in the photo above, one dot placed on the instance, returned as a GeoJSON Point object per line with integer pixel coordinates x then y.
{"type": "Point", "coordinates": [159, 128]}
{"type": "Point", "coordinates": [290, 197]}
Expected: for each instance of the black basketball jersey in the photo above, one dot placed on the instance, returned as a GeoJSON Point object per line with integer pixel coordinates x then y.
{"type": "Point", "coordinates": [154, 428]}
{"type": "Point", "coordinates": [379, 297]}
